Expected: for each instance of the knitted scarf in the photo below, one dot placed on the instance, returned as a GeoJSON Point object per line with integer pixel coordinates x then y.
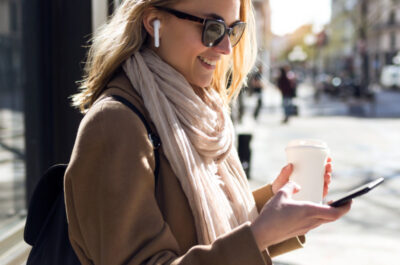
{"type": "Point", "coordinates": [197, 136]}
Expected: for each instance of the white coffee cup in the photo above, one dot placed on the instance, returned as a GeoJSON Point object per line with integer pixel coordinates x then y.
{"type": "Point", "coordinates": [309, 157]}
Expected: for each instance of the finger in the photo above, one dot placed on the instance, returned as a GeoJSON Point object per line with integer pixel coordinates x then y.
{"type": "Point", "coordinates": [345, 207]}
{"type": "Point", "coordinates": [290, 188]}
{"type": "Point", "coordinates": [327, 177]}
{"type": "Point", "coordinates": [329, 159]}
{"type": "Point", "coordinates": [342, 210]}
{"type": "Point", "coordinates": [329, 213]}
{"type": "Point", "coordinates": [282, 178]}
{"type": "Point", "coordinates": [328, 168]}
{"type": "Point", "coordinates": [326, 190]}
{"type": "Point", "coordinates": [286, 172]}
{"type": "Point", "coordinates": [327, 181]}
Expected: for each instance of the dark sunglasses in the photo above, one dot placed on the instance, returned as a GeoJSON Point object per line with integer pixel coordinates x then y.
{"type": "Point", "coordinates": [214, 30]}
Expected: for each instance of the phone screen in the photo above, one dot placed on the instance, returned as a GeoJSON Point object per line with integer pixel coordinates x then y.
{"type": "Point", "coordinates": [357, 192]}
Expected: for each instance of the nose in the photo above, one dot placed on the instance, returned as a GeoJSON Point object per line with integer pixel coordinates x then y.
{"type": "Point", "coordinates": [224, 47]}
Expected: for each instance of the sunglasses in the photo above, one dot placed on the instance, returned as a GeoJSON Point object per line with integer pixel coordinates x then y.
{"type": "Point", "coordinates": [214, 30]}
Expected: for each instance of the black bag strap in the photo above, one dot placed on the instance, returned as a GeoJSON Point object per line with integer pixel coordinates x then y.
{"type": "Point", "coordinates": [153, 137]}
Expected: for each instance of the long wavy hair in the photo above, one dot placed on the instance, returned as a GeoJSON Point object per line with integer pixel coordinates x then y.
{"type": "Point", "coordinates": [124, 34]}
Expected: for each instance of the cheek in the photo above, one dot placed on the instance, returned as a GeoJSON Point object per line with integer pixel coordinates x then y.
{"type": "Point", "coordinates": [181, 49]}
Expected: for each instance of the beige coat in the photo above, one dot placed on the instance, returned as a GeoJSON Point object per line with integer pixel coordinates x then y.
{"type": "Point", "coordinates": [117, 215]}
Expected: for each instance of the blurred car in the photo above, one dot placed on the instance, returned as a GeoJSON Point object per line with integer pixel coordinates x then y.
{"type": "Point", "coordinates": [390, 76]}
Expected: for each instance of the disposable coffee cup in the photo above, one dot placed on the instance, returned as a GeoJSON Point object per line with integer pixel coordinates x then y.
{"type": "Point", "coordinates": [309, 157]}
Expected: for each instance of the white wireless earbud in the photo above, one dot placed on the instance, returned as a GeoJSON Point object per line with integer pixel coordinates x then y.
{"type": "Point", "coordinates": [156, 26]}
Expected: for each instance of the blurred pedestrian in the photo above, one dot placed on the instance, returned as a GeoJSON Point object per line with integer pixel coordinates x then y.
{"type": "Point", "coordinates": [191, 204]}
{"type": "Point", "coordinates": [288, 90]}
{"type": "Point", "coordinates": [256, 87]}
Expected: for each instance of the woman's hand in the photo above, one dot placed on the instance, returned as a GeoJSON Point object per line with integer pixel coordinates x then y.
{"type": "Point", "coordinates": [283, 218]}
{"type": "Point", "coordinates": [283, 177]}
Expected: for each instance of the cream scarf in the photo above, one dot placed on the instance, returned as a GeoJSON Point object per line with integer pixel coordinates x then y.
{"type": "Point", "coordinates": [197, 138]}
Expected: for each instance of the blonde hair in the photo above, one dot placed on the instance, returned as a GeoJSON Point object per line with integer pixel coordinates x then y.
{"type": "Point", "coordinates": [124, 34]}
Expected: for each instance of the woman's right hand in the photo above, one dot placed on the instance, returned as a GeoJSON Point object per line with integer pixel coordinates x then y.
{"type": "Point", "coordinates": [282, 217]}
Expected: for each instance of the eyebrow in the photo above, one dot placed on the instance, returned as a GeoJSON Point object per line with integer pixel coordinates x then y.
{"type": "Point", "coordinates": [216, 16]}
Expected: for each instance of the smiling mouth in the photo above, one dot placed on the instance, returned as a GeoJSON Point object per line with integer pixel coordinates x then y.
{"type": "Point", "coordinates": [208, 62]}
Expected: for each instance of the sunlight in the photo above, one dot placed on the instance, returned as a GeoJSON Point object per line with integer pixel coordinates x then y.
{"type": "Point", "coordinates": [288, 15]}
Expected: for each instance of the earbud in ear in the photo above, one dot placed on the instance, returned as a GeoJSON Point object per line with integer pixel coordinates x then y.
{"type": "Point", "coordinates": [156, 25]}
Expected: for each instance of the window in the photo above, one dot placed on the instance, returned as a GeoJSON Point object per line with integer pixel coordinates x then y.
{"type": "Point", "coordinates": [392, 18]}
{"type": "Point", "coordinates": [12, 146]}
{"type": "Point", "coordinates": [393, 41]}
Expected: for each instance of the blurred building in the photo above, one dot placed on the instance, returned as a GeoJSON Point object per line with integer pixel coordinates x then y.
{"type": "Point", "coordinates": [383, 42]}
{"type": "Point", "coordinates": [264, 35]}
{"type": "Point", "coordinates": [299, 50]}
{"type": "Point", "coordinates": [279, 45]}
{"type": "Point", "coordinates": [338, 56]}
{"type": "Point", "coordinates": [364, 36]}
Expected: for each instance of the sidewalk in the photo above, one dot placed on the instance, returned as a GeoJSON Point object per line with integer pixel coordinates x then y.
{"type": "Point", "coordinates": [362, 149]}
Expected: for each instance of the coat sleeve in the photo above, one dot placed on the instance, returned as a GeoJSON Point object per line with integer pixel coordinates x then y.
{"type": "Point", "coordinates": [262, 195]}
{"type": "Point", "coordinates": [112, 211]}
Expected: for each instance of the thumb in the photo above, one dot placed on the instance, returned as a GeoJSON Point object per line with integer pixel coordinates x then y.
{"type": "Point", "coordinates": [282, 178]}
{"type": "Point", "coordinates": [286, 172]}
{"type": "Point", "coordinates": [290, 188]}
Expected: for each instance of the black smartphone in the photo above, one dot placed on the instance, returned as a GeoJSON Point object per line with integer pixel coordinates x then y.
{"type": "Point", "coordinates": [356, 192]}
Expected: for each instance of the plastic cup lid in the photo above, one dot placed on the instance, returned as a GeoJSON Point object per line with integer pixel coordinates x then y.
{"type": "Point", "coordinates": [313, 143]}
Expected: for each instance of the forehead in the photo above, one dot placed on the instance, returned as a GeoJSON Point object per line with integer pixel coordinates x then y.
{"type": "Point", "coordinates": [229, 10]}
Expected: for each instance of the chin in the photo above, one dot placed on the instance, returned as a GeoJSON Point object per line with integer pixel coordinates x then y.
{"type": "Point", "coordinates": [202, 83]}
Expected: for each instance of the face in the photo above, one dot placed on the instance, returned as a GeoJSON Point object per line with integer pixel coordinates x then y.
{"type": "Point", "coordinates": [180, 39]}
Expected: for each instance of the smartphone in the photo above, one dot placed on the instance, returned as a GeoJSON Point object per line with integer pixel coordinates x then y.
{"type": "Point", "coordinates": [357, 192]}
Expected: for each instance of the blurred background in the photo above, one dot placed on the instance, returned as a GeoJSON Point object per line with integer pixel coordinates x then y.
{"type": "Point", "coordinates": [341, 63]}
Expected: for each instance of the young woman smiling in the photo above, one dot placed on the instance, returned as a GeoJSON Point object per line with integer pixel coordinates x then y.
{"type": "Point", "coordinates": [191, 204]}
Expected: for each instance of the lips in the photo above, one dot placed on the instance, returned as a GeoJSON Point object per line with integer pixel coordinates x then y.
{"type": "Point", "coordinates": [209, 62]}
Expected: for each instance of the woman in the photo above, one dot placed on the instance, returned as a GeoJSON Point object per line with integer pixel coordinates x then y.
{"type": "Point", "coordinates": [198, 209]}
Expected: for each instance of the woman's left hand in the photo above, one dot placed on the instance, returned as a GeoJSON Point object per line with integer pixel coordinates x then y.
{"type": "Point", "coordinates": [283, 177]}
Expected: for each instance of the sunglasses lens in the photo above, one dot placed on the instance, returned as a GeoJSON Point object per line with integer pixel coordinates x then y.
{"type": "Point", "coordinates": [237, 32]}
{"type": "Point", "coordinates": [213, 33]}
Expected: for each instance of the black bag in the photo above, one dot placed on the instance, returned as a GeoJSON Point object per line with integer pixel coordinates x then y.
{"type": "Point", "coordinates": [293, 110]}
{"type": "Point", "coordinates": [46, 228]}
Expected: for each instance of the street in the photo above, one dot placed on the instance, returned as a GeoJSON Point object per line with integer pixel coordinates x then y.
{"type": "Point", "coordinates": [364, 142]}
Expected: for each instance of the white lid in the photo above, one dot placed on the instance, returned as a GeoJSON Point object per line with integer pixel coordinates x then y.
{"type": "Point", "coordinates": [313, 143]}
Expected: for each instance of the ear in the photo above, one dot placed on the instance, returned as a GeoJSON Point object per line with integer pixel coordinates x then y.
{"type": "Point", "coordinates": [148, 21]}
